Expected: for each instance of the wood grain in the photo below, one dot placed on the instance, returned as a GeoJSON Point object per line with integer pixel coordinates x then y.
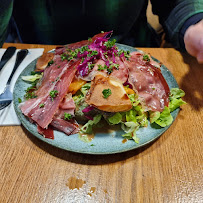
{"type": "Point", "coordinates": [167, 170]}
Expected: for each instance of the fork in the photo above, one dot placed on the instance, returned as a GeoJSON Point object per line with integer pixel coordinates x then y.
{"type": "Point", "coordinates": [6, 56]}
{"type": "Point", "coordinates": [6, 97]}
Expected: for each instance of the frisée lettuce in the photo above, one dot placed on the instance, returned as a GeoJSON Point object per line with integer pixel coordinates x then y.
{"type": "Point", "coordinates": [175, 98]}
{"type": "Point", "coordinates": [130, 121]}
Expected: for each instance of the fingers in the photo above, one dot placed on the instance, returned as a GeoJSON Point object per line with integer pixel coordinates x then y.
{"type": "Point", "coordinates": [200, 58]}
{"type": "Point", "coordinates": [194, 41]}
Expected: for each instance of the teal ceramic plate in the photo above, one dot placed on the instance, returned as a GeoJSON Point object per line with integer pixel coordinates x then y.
{"type": "Point", "coordinates": [103, 142]}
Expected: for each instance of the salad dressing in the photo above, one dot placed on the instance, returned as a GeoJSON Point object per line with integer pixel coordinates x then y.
{"type": "Point", "coordinates": [103, 128]}
{"type": "Point", "coordinates": [86, 137]}
{"type": "Point", "coordinates": [124, 140]}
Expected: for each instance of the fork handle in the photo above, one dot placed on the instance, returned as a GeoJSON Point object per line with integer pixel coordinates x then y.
{"type": "Point", "coordinates": [6, 56]}
{"type": "Point", "coordinates": [20, 56]}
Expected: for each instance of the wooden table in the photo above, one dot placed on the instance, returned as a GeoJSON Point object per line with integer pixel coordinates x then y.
{"type": "Point", "coordinates": [167, 170]}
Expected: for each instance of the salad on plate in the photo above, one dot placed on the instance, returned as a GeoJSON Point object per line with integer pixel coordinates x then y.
{"type": "Point", "coordinates": [82, 86]}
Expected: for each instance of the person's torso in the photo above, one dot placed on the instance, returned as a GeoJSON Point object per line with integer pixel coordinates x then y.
{"type": "Point", "coordinates": [62, 21]}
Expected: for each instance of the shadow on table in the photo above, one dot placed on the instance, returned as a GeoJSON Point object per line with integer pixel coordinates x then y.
{"type": "Point", "coordinates": [192, 82]}
{"type": "Point", "coordinates": [88, 159]}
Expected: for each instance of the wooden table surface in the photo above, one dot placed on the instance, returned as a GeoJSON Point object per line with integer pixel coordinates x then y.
{"type": "Point", "coordinates": [167, 170]}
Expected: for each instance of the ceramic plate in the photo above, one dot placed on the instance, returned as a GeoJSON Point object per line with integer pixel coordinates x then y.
{"type": "Point", "coordinates": [104, 142]}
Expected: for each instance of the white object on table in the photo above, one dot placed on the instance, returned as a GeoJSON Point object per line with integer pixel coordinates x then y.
{"type": "Point", "coordinates": [8, 115]}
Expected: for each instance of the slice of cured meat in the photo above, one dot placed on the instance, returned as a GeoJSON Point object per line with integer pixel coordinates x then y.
{"type": "Point", "coordinates": [120, 73]}
{"type": "Point", "coordinates": [43, 116]}
{"type": "Point", "coordinates": [76, 45]}
{"type": "Point", "coordinates": [148, 81]}
{"type": "Point", "coordinates": [51, 76]}
{"type": "Point", "coordinates": [105, 35]}
{"type": "Point", "coordinates": [66, 106]}
{"type": "Point", "coordinates": [47, 133]}
{"type": "Point", "coordinates": [67, 103]}
{"type": "Point", "coordinates": [65, 126]}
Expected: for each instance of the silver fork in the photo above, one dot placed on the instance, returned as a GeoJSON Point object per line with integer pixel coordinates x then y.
{"type": "Point", "coordinates": [6, 97]}
{"type": "Point", "coordinates": [10, 51]}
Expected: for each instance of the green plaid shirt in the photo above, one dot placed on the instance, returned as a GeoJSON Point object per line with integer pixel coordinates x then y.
{"type": "Point", "coordinates": [62, 21]}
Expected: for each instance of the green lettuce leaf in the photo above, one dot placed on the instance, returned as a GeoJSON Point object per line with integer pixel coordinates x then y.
{"type": "Point", "coordinates": [85, 88]}
{"type": "Point", "coordinates": [153, 116]}
{"type": "Point", "coordinates": [176, 93]}
{"type": "Point", "coordinates": [127, 136]}
{"type": "Point", "coordinates": [84, 138]}
{"type": "Point", "coordinates": [79, 100]}
{"type": "Point", "coordinates": [131, 135]}
{"type": "Point", "coordinates": [131, 116]}
{"type": "Point", "coordinates": [129, 127]}
{"type": "Point", "coordinates": [115, 119]}
{"type": "Point", "coordinates": [142, 120]}
{"type": "Point", "coordinates": [134, 99]}
{"type": "Point", "coordinates": [32, 78]}
{"type": "Point", "coordinates": [80, 104]}
{"type": "Point", "coordinates": [165, 118]}
{"type": "Point", "coordinates": [175, 98]}
{"type": "Point", "coordinates": [135, 138]}
{"type": "Point", "coordinates": [175, 103]}
{"type": "Point", "coordinates": [87, 128]}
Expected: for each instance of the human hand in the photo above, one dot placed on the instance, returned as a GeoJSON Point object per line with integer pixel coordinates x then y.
{"type": "Point", "coordinates": [193, 39]}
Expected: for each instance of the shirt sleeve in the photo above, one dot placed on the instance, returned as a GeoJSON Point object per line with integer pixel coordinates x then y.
{"type": "Point", "coordinates": [173, 15]}
{"type": "Point", "coordinates": [6, 7]}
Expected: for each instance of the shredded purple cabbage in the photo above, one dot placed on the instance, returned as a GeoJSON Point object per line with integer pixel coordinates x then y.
{"type": "Point", "coordinates": [102, 51]}
{"type": "Point", "coordinates": [87, 109]}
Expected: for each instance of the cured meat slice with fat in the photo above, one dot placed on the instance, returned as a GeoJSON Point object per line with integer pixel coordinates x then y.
{"type": "Point", "coordinates": [47, 133]}
{"type": "Point", "coordinates": [43, 116]}
{"type": "Point", "coordinates": [148, 81]}
{"type": "Point", "coordinates": [51, 76]}
{"type": "Point", "coordinates": [67, 127]}
{"type": "Point", "coordinates": [105, 35]}
{"type": "Point", "coordinates": [66, 106]}
{"type": "Point", "coordinates": [120, 74]}
{"type": "Point", "coordinates": [76, 45]}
